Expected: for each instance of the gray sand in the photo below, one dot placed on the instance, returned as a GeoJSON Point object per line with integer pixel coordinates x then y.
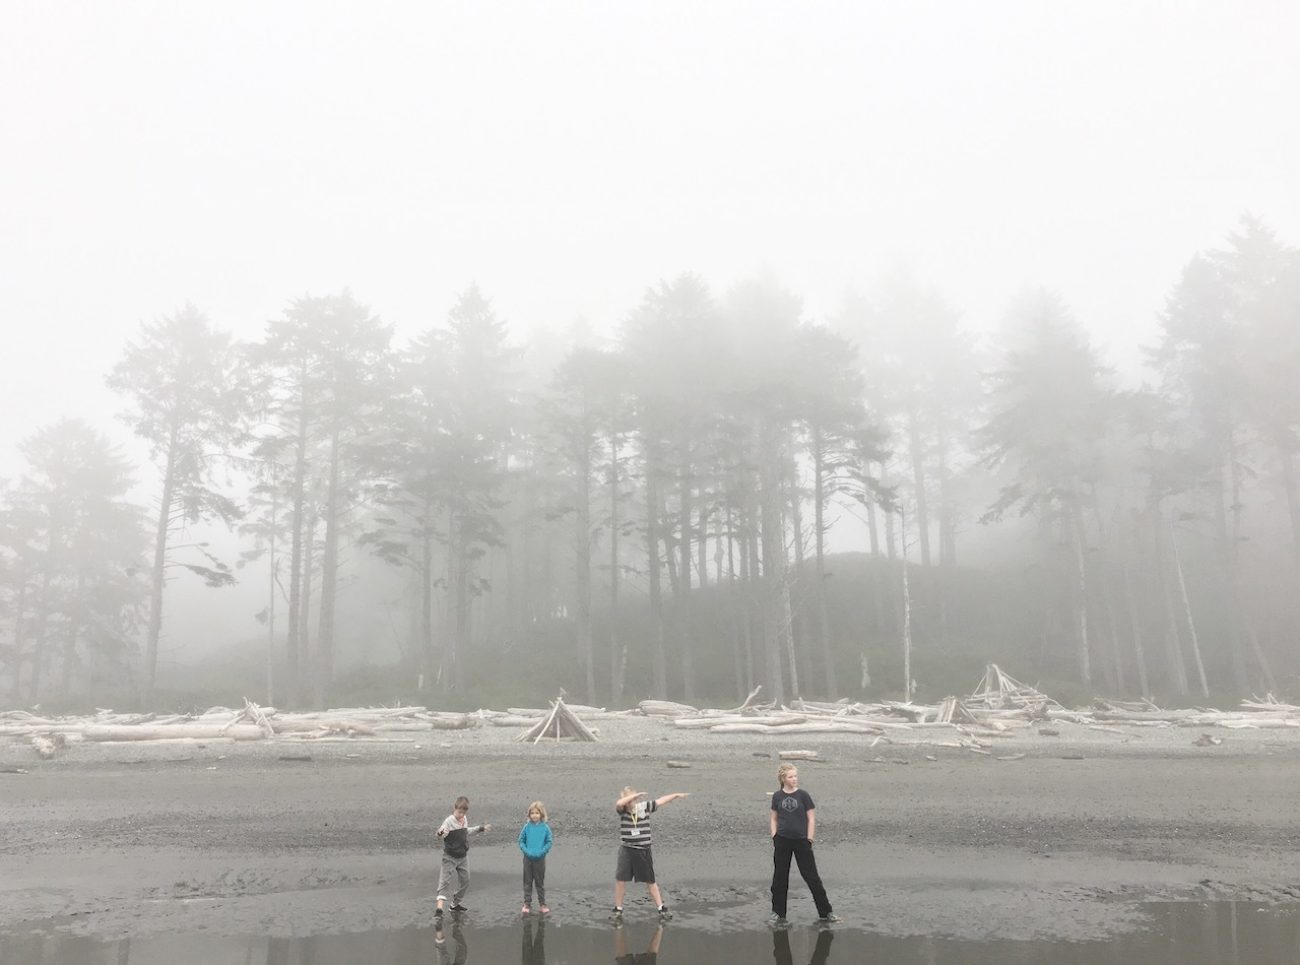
{"type": "Point", "coordinates": [117, 840]}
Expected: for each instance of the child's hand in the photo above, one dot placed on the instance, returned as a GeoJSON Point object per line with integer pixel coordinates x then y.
{"type": "Point", "coordinates": [486, 827]}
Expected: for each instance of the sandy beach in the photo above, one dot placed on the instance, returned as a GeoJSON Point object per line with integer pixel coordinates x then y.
{"type": "Point", "coordinates": [248, 838]}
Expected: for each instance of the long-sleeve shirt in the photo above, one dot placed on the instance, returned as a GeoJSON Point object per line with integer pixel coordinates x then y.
{"type": "Point", "coordinates": [455, 834]}
{"type": "Point", "coordinates": [535, 839]}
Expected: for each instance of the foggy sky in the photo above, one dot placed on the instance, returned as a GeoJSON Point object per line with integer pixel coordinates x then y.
{"type": "Point", "coordinates": [566, 155]}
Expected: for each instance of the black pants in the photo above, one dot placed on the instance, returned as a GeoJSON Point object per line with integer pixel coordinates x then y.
{"type": "Point", "coordinates": [802, 851]}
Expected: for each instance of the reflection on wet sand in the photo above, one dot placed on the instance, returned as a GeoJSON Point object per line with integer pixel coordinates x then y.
{"type": "Point", "coordinates": [454, 952]}
{"type": "Point", "coordinates": [782, 955]}
{"type": "Point", "coordinates": [534, 944]}
{"type": "Point", "coordinates": [649, 957]}
{"type": "Point", "coordinates": [1179, 933]}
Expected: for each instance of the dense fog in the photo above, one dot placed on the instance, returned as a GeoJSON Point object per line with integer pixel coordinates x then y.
{"type": "Point", "coordinates": [459, 358]}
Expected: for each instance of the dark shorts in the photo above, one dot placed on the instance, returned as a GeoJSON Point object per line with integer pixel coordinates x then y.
{"type": "Point", "coordinates": [635, 864]}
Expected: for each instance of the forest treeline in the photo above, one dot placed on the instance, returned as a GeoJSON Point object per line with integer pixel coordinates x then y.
{"type": "Point", "coordinates": [650, 514]}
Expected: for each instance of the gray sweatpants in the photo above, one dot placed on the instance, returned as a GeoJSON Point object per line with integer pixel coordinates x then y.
{"type": "Point", "coordinates": [535, 874]}
{"type": "Point", "coordinates": [454, 871]}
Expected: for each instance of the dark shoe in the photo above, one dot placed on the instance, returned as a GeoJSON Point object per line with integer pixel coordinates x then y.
{"type": "Point", "coordinates": [830, 918]}
{"type": "Point", "coordinates": [437, 914]}
{"type": "Point", "coordinates": [664, 913]}
{"type": "Point", "coordinates": [459, 908]}
{"type": "Point", "coordinates": [616, 916]}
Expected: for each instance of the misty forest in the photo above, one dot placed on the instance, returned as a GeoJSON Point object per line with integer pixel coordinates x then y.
{"type": "Point", "coordinates": [715, 494]}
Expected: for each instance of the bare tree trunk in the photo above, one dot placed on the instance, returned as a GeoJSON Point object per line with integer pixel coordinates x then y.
{"type": "Point", "coordinates": [1081, 601]}
{"type": "Point", "coordinates": [819, 578]}
{"type": "Point", "coordinates": [748, 593]}
{"type": "Point", "coordinates": [735, 620]}
{"type": "Point", "coordinates": [1187, 612]}
{"type": "Point", "coordinates": [159, 576]}
{"type": "Point", "coordinates": [1135, 628]}
{"type": "Point", "coordinates": [329, 579]}
{"type": "Point", "coordinates": [775, 629]}
{"type": "Point", "coordinates": [907, 610]}
{"type": "Point", "coordinates": [270, 603]}
{"type": "Point", "coordinates": [617, 652]}
{"type": "Point", "coordinates": [702, 528]}
{"type": "Point", "coordinates": [308, 565]}
{"type": "Point", "coordinates": [917, 453]}
{"type": "Point", "coordinates": [801, 642]}
{"type": "Point", "coordinates": [1173, 643]}
{"type": "Point", "coordinates": [659, 652]}
{"type": "Point", "coordinates": [947, 539]}
{"type": "Point", "coordinates": [294, 642]}
{"type": "Point", "coordinates": [1107, 592]}
{"type": "Point", "coordinates": [685, 510]}
{"type": "Point", "coordinates": [70, 634]}
{"type": "Point", "coordinates": [582, 573]}
{"type": "Point", "coordinates": [427, 658]}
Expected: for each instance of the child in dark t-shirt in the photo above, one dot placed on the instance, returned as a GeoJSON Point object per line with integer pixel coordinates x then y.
{"type": "Point", "coordinates": [793, 827]}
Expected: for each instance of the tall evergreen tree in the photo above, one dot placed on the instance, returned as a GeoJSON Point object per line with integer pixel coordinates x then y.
{"type": "Point", "coordinates": [181, 378]}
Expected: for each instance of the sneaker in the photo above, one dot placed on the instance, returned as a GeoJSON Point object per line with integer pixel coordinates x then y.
{"type": "Point", "coordinates": [830, 918]}
{"type": "Point", "coordinates": [459, 907]}
{"type": "Point", "coordinates": [776, 921]}
{"type": "Point", "coordinates": [617, 914]}
{"type": "Point", "coordinates": [544, 910]}
{"type": "Point", "coordinates": [664, 913]}
{"type": "Point", "coordinates": [525, 910]}
{"type": "Point", "coordinates": [437, 914]}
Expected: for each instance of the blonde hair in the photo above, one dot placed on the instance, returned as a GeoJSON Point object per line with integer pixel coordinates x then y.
{"type": "Point", "coordinates": [538, 806]}
{"type": "Point", "coordinates": [628, 790]}
{"type": "Point", "coordinates": [782, 771]}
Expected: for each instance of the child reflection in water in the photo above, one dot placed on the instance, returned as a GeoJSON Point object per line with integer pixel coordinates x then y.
{"type": "Point", "coordinates": [534, 945]}
{"type": "Point", "coordinates": [649, 957]}
{"type": "Point", "coordinates": [781, 947]}
{"type": "Point", "coordinates": [448, 955]}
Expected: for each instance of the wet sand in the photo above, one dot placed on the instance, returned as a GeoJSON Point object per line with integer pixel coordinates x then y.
{"type": "Point", "coordinates": [231, 839]}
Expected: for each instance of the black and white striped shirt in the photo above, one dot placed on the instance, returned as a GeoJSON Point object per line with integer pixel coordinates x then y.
{"type": "Point", "coordinates": [634, 824]}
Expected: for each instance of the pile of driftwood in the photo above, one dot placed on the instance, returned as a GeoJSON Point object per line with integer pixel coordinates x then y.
{"type": "Point", "coordinates": [49, 734]}
{"type": "Point", "coordinates": [999, 706]}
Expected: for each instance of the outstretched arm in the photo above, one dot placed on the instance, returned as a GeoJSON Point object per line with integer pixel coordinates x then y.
{"type": "Point", "coordinates": [627, 799]}
{"type": "Point", "coordinates": [670, 798]}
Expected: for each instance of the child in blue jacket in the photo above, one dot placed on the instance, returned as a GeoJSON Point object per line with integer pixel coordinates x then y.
{"type": "Point", "coordinates": [535, 842]}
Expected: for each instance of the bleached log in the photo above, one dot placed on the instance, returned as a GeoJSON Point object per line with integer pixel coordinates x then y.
{"type": "Point", "coordinates": [698, 723]}
{"type": "Point", "coordinates": [512, 720]}
{"type": "Point", "coordinates": [798, 755]}
{"type": "Point", "coordinates": [175, 741]}
{"type": "Point", "coordinates": [827, 727]}
{"type": "Point", "coordinates": [144, 732]}
{"type": "Point", "coordinates": [665, 708]}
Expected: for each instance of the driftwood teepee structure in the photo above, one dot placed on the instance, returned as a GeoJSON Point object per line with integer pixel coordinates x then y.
{"type": "Point", "coordinates": [558, 724]}
{"type": "Point", "coordinates": [998, 690]}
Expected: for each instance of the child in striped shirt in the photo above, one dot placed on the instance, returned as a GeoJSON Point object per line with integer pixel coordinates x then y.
{"type": "Point", "coordinates": [635, 862]}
